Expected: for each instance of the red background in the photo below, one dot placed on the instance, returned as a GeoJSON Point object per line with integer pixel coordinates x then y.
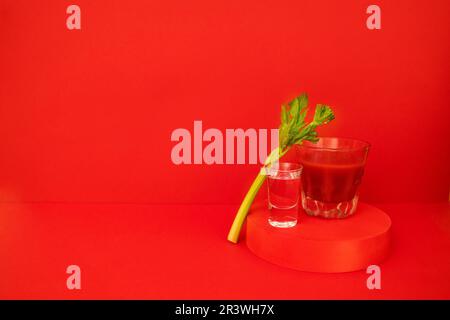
{"type": "Point", "coordinates": [86, 116]}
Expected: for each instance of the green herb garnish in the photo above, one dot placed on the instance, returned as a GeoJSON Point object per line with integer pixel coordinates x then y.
{"type": "Point", "coordinates": [293, 130]}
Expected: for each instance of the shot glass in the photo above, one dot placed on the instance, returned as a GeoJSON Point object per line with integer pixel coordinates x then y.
{"type": "Point", "coordinates": [331, 177]}
{"type": "Point", "coordinates": [283, 182]}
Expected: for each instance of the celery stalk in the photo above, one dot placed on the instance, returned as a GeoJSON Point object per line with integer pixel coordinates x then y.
{"type": "Point", "coordinates": [236, 227]}
{"type": "Point", "coordinates": [293, 130]}
{"type": "Point", "coordinates": [235, 230]}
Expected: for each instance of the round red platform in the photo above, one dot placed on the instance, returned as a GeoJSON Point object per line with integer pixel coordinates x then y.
{"type": "Point", "coordinates": [321, 245]}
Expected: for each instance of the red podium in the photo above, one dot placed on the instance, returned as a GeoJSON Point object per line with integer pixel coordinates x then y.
{"type": "Point", "coordinates": [321, 245]}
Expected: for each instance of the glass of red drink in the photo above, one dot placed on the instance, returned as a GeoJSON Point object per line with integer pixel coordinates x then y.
{"type": "Point", "coordinates": [283, 181]}
{"type": "Point", "coordinates": [332, 173]}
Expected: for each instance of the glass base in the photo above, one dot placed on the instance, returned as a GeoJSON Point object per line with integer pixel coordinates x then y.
{"type": "Point", "coordinates": [283, 218]}
{"type": "Point", "coordinates": [283, 224]}
{"type": "Point", "coordinates": [337, 210]}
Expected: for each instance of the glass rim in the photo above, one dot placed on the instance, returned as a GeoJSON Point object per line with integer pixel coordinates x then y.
{"type": "Point", "coordinates": [272, 168]}
{"type": "Point", "coordinates": [365, 145]}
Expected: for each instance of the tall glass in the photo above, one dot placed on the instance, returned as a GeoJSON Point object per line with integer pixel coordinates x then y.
{"type": "Point", "coordinates": [283, 181]}
{"type": "Point", "coordinates": [332, 173]}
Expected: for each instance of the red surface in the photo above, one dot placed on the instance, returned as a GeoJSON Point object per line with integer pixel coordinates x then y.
{"type": "Point", "coordinates": [87, 115]}
{"type": "Point", "coordinates": [321, 245]}
{"type": "Point", "coordinates": [149, 251]}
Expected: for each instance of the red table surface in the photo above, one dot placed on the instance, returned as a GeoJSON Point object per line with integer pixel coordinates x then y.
{"type": "Point", "coordinates": [180, 252]}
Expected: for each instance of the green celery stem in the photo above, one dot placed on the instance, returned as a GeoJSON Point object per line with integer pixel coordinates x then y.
{"type": "Point", "coordinates": [235, 230]}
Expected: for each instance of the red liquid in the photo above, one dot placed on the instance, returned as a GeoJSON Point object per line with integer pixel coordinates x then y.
{"type": "Point", "coordinates": [331, 182]}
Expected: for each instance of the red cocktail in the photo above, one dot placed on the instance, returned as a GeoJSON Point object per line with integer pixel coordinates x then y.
{"type": "Point", "coordinates": [332, 173]}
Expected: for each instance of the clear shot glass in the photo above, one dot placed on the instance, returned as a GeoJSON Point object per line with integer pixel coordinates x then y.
{"type": "Point", "coordinates": [332, 172]}
{"type": "Point", "coordinates": [283, 181]}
